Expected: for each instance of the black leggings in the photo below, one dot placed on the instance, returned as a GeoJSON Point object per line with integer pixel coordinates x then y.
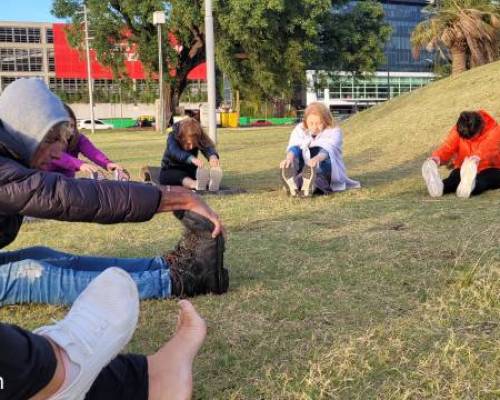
{"type": "Point", "coordinates": [487, 179]}
{"type": "Point", "coordinates": [28, 363]}
{"type": "Point", "coordinates": [175, 175]}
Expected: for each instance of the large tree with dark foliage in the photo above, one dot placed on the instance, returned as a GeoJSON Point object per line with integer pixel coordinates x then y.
{"type": "Point", "coordinates": [264, 46]}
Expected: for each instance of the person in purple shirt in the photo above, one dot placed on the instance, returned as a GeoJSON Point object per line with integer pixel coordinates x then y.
{"type": "Point", "coordinates": [69, 163]}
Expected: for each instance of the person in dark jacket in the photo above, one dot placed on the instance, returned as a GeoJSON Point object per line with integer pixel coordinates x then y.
{"type": "Point", "coordinates": [62, 361]}
{"type": "Point", "coordinates": [33, 132]}
{"type": "Point", "coordinates": [181, 165]}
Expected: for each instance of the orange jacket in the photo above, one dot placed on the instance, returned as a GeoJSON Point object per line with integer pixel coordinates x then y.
{"type": "Point", "coordinates": [485, 145]}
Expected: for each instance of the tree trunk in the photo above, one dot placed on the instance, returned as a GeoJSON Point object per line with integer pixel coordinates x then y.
{"type": "Point", "coordinates": [458, 59]}
{"type": "Point", "coordinates": [171, 102]}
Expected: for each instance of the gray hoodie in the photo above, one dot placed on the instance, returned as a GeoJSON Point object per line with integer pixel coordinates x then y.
{"type": "Point", "coordinates": [28, 110]}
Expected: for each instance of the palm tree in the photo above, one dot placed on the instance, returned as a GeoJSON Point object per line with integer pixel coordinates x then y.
{"type": "Point", "coordinates": [467, 30]}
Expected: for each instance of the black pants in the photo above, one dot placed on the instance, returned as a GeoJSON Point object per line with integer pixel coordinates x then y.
{"type": "Point", "coordinates": [28, 363]}
{"type": "Point", "coordinates": [175, 175]}
{"type": "Point", "coordinates": [487, 179]}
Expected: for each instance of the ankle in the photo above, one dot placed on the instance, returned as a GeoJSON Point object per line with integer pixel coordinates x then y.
{"type": "Point", "coordinates": [58, 378]}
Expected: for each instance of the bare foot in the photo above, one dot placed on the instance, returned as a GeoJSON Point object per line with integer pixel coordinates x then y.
{"type": "Point", "coordinates": [170, 368]}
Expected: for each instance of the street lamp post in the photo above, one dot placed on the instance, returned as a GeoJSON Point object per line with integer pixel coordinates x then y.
{"type": "Point", "coordinates": [158, 20]}
{"type": "Point", "coordinates": [89, 71]}
{"type": "Point", "coordinates": [210, 56]}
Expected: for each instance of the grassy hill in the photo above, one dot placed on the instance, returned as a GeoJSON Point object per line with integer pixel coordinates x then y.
{"type": "Point", "coordinates": [378, 293]}
{"type": "Point", "coordinates": [392, 138]}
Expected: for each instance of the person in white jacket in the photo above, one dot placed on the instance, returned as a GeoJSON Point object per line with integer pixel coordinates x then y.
{"type": "Point", "coordinates": [314, 161]}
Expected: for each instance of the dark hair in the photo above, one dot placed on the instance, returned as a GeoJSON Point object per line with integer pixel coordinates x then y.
{"type": "Point", "coordinates": [70, 112]}
{"type": "Point", "coordinates": [75, 135]}
{"type": "Point", "coordinates": [190, 128]}
{"type": "Point", "coordinates": [469, 124]}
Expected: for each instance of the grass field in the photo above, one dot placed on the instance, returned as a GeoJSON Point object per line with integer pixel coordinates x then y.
{"type": "Point", "coordinates": [378, 293]}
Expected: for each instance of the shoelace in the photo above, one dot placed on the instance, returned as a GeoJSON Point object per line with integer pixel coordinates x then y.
{"type": "Point", "coordinates": [179, 260]}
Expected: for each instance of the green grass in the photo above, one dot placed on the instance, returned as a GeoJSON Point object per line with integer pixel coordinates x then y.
{"type": "Point", "coordinates": [379, 293]}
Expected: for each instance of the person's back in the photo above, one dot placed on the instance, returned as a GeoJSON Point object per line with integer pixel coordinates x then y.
{"type": "Point", "coordinates": [180, 164]}
{"type": "Point", "coordinates": [476, 133]}
{"type": "Point", "coordinates": [473, 147]}
{"type": "Point", "coordinates": [69, 163]}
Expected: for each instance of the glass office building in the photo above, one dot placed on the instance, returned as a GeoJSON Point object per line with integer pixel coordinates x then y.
{"type": "Point", "coordinates": [400, 74]}
{"type": "Point", "coordinates": [403, 16]}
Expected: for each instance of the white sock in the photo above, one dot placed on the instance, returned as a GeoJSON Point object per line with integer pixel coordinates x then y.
{"type": "Point", "coordinates": [71, 371]}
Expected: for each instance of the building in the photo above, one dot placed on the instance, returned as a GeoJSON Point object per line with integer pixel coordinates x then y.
{"type": "Point", "coordinates": [26, 50]}
{"type": "Point", "coordinates": [400, 74]}
{"type": "Point", "coordinates": [30, 49]}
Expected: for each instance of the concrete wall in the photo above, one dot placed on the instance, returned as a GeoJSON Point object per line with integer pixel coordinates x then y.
{"type": "Point", "coordinates": [116, 110]}
{"type": "Point", "coordinates": [113, 110]}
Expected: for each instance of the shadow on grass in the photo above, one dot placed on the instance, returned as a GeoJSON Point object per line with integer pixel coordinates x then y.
{"type": "Point", "coordinates": [269, 179]}
{"type": "Point", "coordinates": [394, 173]}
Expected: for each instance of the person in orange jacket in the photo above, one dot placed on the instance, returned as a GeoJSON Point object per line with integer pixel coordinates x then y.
{"type": "Point", "coordinates": [473, 145]}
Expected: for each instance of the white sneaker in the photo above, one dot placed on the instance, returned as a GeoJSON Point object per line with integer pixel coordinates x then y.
{"type": "Point", "coordinates": [468, 173]}
{"type": "Point", "coordinates": [215, 179]}
{"type": "Point", "coordinates": [432, 179]}
{"type": "Point", "coordinates": [100, 323]}
{"type": "Point", "coordinates": [308, 181]}
{"type": "Point", "coordinates": [288, 176]}
{"type": "Point", "coordinates": [202, 177]}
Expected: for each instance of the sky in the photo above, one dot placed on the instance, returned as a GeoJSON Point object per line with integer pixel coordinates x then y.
{"type": "Point", "coordinates": [26, 10]}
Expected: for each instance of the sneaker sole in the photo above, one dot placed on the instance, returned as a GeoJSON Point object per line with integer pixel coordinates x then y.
{"type": "Point", "coordinates": [222, 278]}
{"type": "Point", "coordinates": [215, 179]}
{"type": "Point", "coordinates": [432, 179]}
{"type": "Point", "coordinates": [288, 176]}
{"type": "Point", "coordinates": [202, 177]}
{"type": "Point", "coordinates": [308, 177]}
{"type": "Point", "coordinates": [468, 174]}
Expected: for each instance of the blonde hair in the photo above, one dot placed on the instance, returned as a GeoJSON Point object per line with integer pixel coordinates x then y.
{"type": "Point", "coordinates": [322, 111]}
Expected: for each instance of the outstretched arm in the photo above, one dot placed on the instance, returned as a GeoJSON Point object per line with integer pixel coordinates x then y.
{"type": "Point", "coordinates": [448, 149]}
{"type": "Point", "coordinates": [53, 196]}
{"type": "Point", "coordinates": [95, 155]}
{"type": "Point", "coordinates": [68, 162]}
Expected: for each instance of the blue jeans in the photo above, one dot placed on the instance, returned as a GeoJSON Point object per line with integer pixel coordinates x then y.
{"type": "Point", "coordinates": [44, 275]}
{"type": "Point", "coordinates": [324, 167]}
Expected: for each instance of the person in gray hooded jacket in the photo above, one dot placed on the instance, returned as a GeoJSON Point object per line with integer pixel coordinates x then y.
{"type": "Point", "coordinates": [33, 131]}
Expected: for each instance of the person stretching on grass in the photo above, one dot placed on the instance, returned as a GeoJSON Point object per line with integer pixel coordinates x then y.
{"type": "Point", "coordinates": [473, 145]}
{"type": "Point", "coordinates": [77, 357]}
{"type": "Point", "coordinates": [314, 155]}
{"type": "Point", "coordinates": [180, 164]}
{"type": "Point", "coordinates": [69, 163]}
{"type": "Point", "coordinates": [33, 133]}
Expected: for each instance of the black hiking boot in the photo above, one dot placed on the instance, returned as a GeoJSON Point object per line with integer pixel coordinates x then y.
{"type": "Point", "coordinates": [196, 264]}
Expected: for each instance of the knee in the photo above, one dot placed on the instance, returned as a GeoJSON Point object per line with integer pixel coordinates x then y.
{"type": "Point", "coordinates": [295, 150]}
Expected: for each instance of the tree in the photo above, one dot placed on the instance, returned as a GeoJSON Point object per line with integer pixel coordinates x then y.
{"type": "Point", "coordinates": [267, 45]}
{"type": "Point", "coordinates": [114, 22]}
{"type": "Point", "coordinates": [264, 46]}
{"type": "Point", "coordinates": [467, 29]}
{"type": "Point", "coordinates": [352, 38]}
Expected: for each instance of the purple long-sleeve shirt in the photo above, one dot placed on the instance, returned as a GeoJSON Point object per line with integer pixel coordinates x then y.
{"type": "Point", "coordinates": [69, 163]}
